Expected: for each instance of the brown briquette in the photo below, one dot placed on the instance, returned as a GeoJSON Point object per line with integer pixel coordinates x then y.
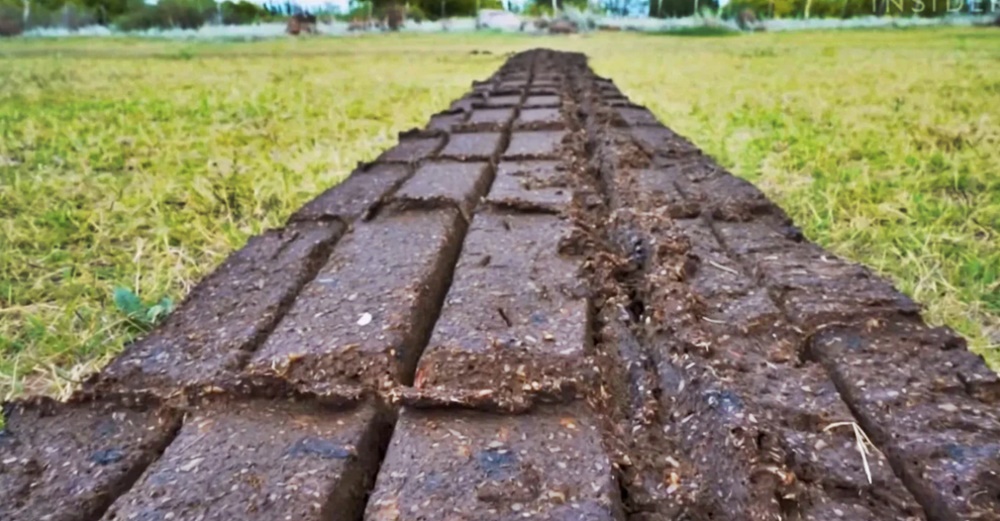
{"type": "Point", "coordinates": [930, 404]}
{"type": "Point", "coordinates": [488, 120]}
{"type": "Point", "coordinates": [723, 196]}
{"type": "Point", "coordinates": [69, 461]}
{"type": "Point", "coordinates": [657, 188]}
{"type": "Point", "coordinates": [515, 321]}
{"type": "Point", "coordinates": [546, 89]}
{"type": "Point", "coordinates": [262, 460]}
{"type": "Point", "coordinates": [662, 142]}
{"type": "Point", "coordinates": [447, 120]}
{"type": "Point", "coordinates": [814, 287]}
{"type": "Point", "coordinates": [363, 321]}
{"type": "Point", "coordinates": [541, 185]}
{"type": "Point", "coordinates": [467, 102]}
{"type": "Point", "coordinates": [535, 145]}
{"type": "Point", "coordinates": [460, 185]}
{"type": "Point", "coordinates": [635, 116]}
{"type": "Point", "coordinates": [473, 146]}
{"type": "Point", "coordinates": [500, 100]}
{"type": "Point", "coordinates": [540, 119]}
{"type": "Point", "coordinates": [740, 414]}
{"type": "Point", "coordinates": [225, 317]}
{"type": "Point", "coordinates": [514, 87]}
{"type": "Point", "coordinates": [414, 146]}
{"type": "Point", "coordinates": [355, 197]}
{"type": "Point", "coordinates": [546, 464]}
{"type": "Point", "coordinates": [539, 100]}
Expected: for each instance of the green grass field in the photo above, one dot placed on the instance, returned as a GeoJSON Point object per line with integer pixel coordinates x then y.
{"type": "Point", "coordinates": [142, 164]}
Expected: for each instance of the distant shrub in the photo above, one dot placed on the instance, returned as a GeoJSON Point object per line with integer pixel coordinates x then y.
{"type": "Point", "coordinates": [394, 15]}
{"type": "Point", "coordinates": [416, 14]}
{"type": "Point", "coordinates": [167, 14]}
{"type": "Point", "coordinates": [243, 13]}
{"type": "Point", "coordinates": [11, 21]}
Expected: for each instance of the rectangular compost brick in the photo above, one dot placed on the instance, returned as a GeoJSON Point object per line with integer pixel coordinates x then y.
{"type": "Point", "coordinates": [610, 90]}
{"type": "Point", "coordinates": [736, 396]}
{"type": "Point", "coordinates": [761, 450]}
{"type": "Point", "coordinates": [634, 116]}
{"type": "Point", "coordinates": [355, 196]}
{"type": "Point", "coordinates": [661, 141]}
{"type": "Point", "coordinates": [548, 464]}
{"type": "Point", "coordinates": [465, 103]}
{"type": "Point", "coordinates": [447, 120]}
{"type": "Point", "coordinates": [543, 89]}
{"type": "Point", "coordinates": [712, 273]}
{"type": "Point", "coordinates": [657, 188]}
{"type": "Point", "coordinates": [540, 119]}
{"type": "Point", "coordinates": [504, 100]}
{"type": "Point", "coordinates": [919, 394]}
{"type": "Point", "coordinates": [478, 146]}
{"type": "Point", "coordinates": [532, 186]}
{"type": "Point", "coordinates": [512, 86]}
{"type": "Point", "coordinates": [412, 147]}
{"type": "Point", "coordinates": [535, 145]}
{"type": "Point", "coordinates": [226, 316]}
{"type": "Point", "coordinates": [813, 285]}
{"type": "Point", "coordinates": [437, 183]}
{"type": "Point", "coordinates": [515, 320]}
{"type": "Point", "coordinates": [538, 98]}
{"type": "Point", "coordinates": [68, 462]}
{"type": "Point", "coordinates": [488, 120]}
{"type": "Point", "coordinates": [364, 318]}
{"type": "Point", "coordinates": [483, 86]}
{"type": "Point", "coordinates": [275, 460]}
{"type": "Point", "coordinates": [724, 196]}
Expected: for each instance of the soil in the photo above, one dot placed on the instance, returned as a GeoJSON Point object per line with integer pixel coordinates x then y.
{"type": "Point", "coordinates": [355, 197]}
{"type": "Point", "coordinates": [279, 459]}
{"type": "Point", "coordinates": [535, 145]}
{"type": "Point", "coordinates": [483, 146]}
{"type": "Point", "coordinates": [540, 98]}
{"type": "Point", "coordinates": [575, 314]}
{"type": "Point", "coordinates": [488, 120]}
{"type": "Point", "coordinates": [365, 317]}
{"type": "Point", "coordinates": [540, 119]}
{"type": "Point", "coordinates": [437, 183]}
{"type": "Point", "coordinates": [468, 465]}
{"type": "Point", "coordinates": [412, 149]}
{"type": "Point", "coordinates": [516, 317]}
{"type": "Point", "coordinates": [69, 461]}
{"type": "Point", "coordinates": [541, 186]}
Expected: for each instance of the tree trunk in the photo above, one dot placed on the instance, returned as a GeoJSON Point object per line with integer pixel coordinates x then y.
{"type": "Point", "coordinates": [555, 7]}
{"type": "Point", "coordinates": [808, 5]}
{"type": "Point", "coordinates": [27, 12]}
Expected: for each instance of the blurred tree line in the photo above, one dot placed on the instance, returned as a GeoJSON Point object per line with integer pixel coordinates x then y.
{"type": "Point", "coordinates": [16, 15]}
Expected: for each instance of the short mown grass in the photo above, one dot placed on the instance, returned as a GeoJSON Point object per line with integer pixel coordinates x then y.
{"type": "Point", "coordinates": [137, 166]}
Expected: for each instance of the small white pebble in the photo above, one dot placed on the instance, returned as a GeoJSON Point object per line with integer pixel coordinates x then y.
{"type": "Point", "coordinates": [366, 318]}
